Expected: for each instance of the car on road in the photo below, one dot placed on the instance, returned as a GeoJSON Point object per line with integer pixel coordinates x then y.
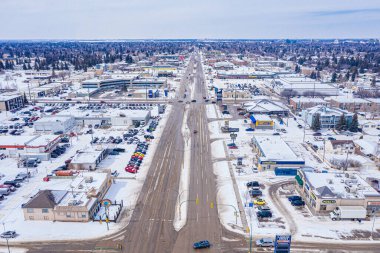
{"type": "Point", "coordinates": [259, 202]}
{"type": "Point", "coordinates": [317, 134]}
{"type": "Point", "coordinates": [294, 197]}
{"type": "Point", "coordinates": [8, 234]}
{"type": "Point", "coordinates": [265, 242]}
{"type": "Point", "coordinates": [193, 101]}
{"type": "Point", "coordinates": [201, 244]}
{"type": "Point", "coordinates": [299, 126]}
{"type": "Point", "coordinates": [195, 131]}
{"type": "Point", "coordinates": [250, 129]}
{"type": "Point", "coordinates": [233, 147]}
{"type": "Point", "coordinates": [298, 203]}
{"type": "Point", "coordinates": [264, 214]}
{"type": "Point", "coordinates": [180, 101]}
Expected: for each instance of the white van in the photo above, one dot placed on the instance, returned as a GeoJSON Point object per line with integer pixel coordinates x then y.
{"type": "Point", "coordinates": [5, 191]}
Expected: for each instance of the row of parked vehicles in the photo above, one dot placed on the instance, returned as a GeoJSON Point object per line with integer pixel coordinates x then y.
{"type": "Point", "coordinates": [59, 150]}
{"type": "Point", "coordinates": [137, 158]}
{"type": "Point", "coordinates": [296, 201]}
{"type": "Point", "coordinates": [255, 192]}
{"type": "Point", "coordinates": [11, 185]}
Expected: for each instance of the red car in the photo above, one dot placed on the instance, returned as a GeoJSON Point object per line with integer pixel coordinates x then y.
{"type": "Point", "coordinates": [131, 170]}
{"type": "Point", "coordinates": [232, 147]}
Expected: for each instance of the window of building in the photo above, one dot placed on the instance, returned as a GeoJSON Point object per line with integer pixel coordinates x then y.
{"type": "Point", "coordinates": [30, 210]}
{"type": "Point", "coordinates": [84, 215]}
{"type": "Point", "coordinates": [46, 217]}
{"type": "Point", "coordinates": [323, 207]}
{"type": "Point", "coordinates": [31, 217]}
{"type": "Point", "coordinates": [45, 210]}
{"type": "Point", "coordinates": [68, 215]}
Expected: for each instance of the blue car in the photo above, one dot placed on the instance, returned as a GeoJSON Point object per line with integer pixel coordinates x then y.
{"type": "Point", "coordinates": [201, 245]}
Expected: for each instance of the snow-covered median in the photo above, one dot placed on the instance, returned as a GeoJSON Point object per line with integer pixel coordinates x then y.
{"type": "Point", "coordinates": [183, 191]}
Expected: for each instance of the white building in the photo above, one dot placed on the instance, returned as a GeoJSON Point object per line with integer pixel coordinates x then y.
{"type": "Point", "coordinates": [302, 86]}
{"type": "Point", "coordinates": [329, 117]}
{"type": "Point", "coordinates": [55, 124]}
{"type": "Point", "coordinates": [87, 159]}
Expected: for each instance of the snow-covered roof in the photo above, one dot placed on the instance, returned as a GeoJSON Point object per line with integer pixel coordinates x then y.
{"type": "Point", "coordinates": [273, 147]}
{"type": "Point", "coordinates": [86, 156]}
{"type": "Point", "coordinates": [340, 185]}
{"type": "Point", "coordinates": [327, 111]}
{"type": "Point", "coordinates": [368, 147]}
{"type": "Point", "coordinates": [265, 106]}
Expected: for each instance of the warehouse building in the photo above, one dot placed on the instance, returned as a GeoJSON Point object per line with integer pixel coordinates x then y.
{"type": "Point", "coordinates": [323, 192]}
{"type": "Point", "coordinates": [87, 159]}
{"type": "Point", "coordinates": [54, 124]}
{"type": "Point", "coordinates": [273, 152]}
{"type": "Point", "coordinates": [302, 86]}
{"type": "Point", "coordinates": [29, 146]}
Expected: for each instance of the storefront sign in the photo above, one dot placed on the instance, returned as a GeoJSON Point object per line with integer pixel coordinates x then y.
{"type": "Point", "coordinates": [328, 201]}
{"type": "Point", "coordinates": [313, 196]}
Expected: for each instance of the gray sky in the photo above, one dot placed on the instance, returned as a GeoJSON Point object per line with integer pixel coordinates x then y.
{"type": "Point", "coordinates": [140, 19]}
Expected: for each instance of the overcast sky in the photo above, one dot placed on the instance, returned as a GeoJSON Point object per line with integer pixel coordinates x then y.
{"type": "Point", "coordinates": [157, 19]}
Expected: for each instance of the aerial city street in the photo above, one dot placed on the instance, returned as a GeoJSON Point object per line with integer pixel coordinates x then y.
{"type": "Point", "coordinates": [122, 135]}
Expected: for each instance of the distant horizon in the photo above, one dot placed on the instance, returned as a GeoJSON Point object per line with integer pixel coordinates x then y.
{"type": "Point", "coordinates": [192, 39]}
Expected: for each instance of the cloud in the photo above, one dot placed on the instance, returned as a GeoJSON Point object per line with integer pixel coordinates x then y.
{"type": "Point", "coordinates": [345, 12]}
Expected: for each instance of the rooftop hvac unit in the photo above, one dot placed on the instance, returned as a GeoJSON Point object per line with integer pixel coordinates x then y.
{"type": "Point", "coordinates": [347, 175]}
{"type": "Point", "coordinates": [329, 181]}
{"type": "Point", "coordinates": [88, 179]}
{"type": "Point", "coordinates": [352, 176]}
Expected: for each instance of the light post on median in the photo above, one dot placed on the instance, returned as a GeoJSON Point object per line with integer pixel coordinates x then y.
{"type": "Point", "coordinates": [236, 211]}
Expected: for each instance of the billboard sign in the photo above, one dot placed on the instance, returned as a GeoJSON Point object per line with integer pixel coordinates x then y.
{"type": "Point", "coordinates": [282, 244]}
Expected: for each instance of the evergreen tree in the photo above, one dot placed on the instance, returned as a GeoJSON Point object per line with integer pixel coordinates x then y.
{"type": "Point", "coordinates": [24, 66]}
{"type": "Point", "coordinates": [2, 65]}
{"type": "Point", "coordinates": [341, 125]}
{"type": "Point", "coordinates": [354, 124]}
{"type": "Point", "coordinates": [333, 77]}
{"type": "Point", "coordinates": [316, 123]}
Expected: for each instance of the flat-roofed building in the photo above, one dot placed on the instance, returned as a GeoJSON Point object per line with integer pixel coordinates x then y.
{"type": "Point", "coordinates": [11, 101]}
{"type": "Point", "coordinates": [273, 152]}
{"type": "Point", "coordinates": [323, 192]}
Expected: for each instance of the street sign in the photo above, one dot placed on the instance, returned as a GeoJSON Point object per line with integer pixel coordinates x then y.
{"type": "Point", "coordinates": [282, 244]}
{"type": "Point", "coordinates": [106, 202]}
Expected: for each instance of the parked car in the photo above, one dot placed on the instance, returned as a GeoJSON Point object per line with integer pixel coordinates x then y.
{"type": "Point", "coordinates": [8, 234]}
{"type": "Point", "coordinates": [264, 214]}
{"type": "Point", "coordinates": [298, 203]}
{"type": "Point", "coordinates": [293, 198]}
{"type": "Point", "coordinates": [13, 183]}
{"type": "Point", "coordinates": [259, 202]}
{"type": "Point", "coordinates": [265, 242]}
{"type": "Point", "coordinates": [252, 184]}
{"type": "Point", "coordinates": [201, 244]}
{"type": "Point", "coordinates": [255, 193]}
{"type": "Point", "coordinates": [264, 208]}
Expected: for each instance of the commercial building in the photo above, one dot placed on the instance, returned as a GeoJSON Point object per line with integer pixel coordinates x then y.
{"type": "Point", "coordinates": [329, 116]}
{"type": "Point", "coordinates": [351, 104]}
{"type": "Point", "coordinates": [323, 192]}
{"type": "Point", "coordinates": [266, 106]}
{"type": "Point", "coordinates": [11, 101]}
{"type": "Point", "coordinates": [273, 152]}
{"type": "Point", "coordinates": [302, 86]}
{"type": "Point", "coordinates": [33, 146]}
{"type": "Point", "coordinates": [261, 121]}
{"type": "Point", "coordinates": [79, 204]}
{"type": "Point", "coordinates": [54, 124]}
{"type": "Point", "coordinates": [87, 159]}
{"type": "Point", "coordinates": [301, 103]}
{"type": "Point", "coordinates": [130, 81]}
